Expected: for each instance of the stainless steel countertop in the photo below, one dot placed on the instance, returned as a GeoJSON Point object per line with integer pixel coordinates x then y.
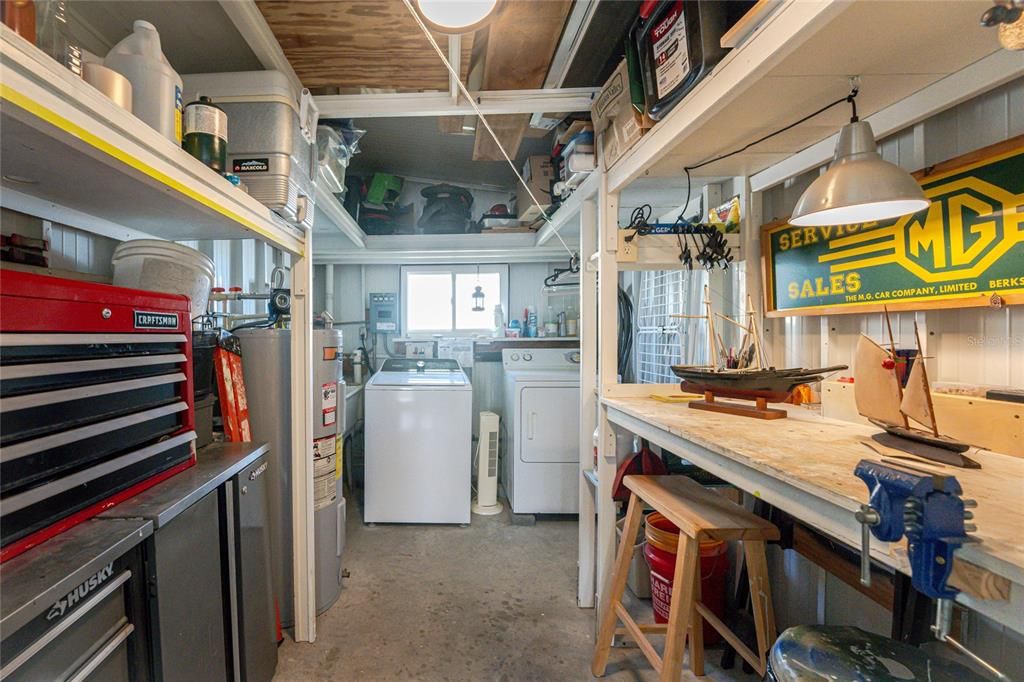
{"type": "Point", "coordinates": [215, 464]}
{"type": "Point", "coordinates": [34, 581]}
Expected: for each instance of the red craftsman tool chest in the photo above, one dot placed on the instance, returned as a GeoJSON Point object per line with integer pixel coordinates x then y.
{"type": "Point", "coordinates": [96, 400]}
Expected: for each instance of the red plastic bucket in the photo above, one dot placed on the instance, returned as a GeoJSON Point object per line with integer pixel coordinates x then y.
{"type": "Point", "coordinates": [660, 552]}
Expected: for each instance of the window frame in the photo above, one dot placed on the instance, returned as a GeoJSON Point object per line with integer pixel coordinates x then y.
{"type": "Point", "coordinates": [501, 269]}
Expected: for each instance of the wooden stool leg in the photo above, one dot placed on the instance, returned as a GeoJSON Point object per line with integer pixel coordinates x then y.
{"type": "Point", "coordinates": [696, 624]}
{"type": "Point", "coordinates": [602, 647]}
{"type": "Point", "coordinates": [760, 598]}
{"type": "Point", "coordinates": [679, 614]}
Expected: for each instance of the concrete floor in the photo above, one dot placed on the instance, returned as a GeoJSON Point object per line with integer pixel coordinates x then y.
{"type": "Point", "coordinates": [492, 601]}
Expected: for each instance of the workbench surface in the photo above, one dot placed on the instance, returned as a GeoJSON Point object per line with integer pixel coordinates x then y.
{"type": "Point", "coordinates": [215, 464]}
{"type": "Point", "coordinates": [804, 465]}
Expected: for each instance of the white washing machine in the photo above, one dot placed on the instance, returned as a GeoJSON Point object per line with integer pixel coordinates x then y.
{"type": "Point", "coordinates": [418, 427]}
{"type": "Point", "coordinates": [542, 420]}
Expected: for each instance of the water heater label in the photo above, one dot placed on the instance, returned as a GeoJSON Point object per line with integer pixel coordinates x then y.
{"type": "Point", "coordinates": [146, 320]}
{"type": "Point", "coordinates": [250, 165]}
{"type": "Point", "coordinates": [329, 397]}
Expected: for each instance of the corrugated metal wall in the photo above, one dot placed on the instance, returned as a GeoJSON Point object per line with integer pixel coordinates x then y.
{"type": "Point", "coordinates": [971, 345]}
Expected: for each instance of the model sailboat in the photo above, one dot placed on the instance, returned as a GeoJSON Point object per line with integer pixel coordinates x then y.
{"type": "Point", "coordinates": [743, 375]}
{"type": "Point", "coordinates": [882, 399]}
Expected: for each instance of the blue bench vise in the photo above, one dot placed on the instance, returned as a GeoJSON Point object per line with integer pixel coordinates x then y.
{"type": "Point", "coordinates": [924, 506]}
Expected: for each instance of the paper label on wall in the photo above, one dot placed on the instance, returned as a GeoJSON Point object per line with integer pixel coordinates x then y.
{"type": "Point", "coordinates": [330, 417]}
{"type": "Point", "coordinates": [456, 349]}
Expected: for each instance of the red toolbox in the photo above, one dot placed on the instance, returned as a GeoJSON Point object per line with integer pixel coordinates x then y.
{"type": "Point", "coordinates": [96, 400]}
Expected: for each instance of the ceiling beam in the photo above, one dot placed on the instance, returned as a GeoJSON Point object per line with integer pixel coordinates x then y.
{"type": "Point", "coordinates": [390, 105]}
{"type": "Point", "coordinates": [253, 27]}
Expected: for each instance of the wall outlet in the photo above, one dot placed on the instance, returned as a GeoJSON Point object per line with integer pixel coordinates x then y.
{"type": "Point", "coordinates": [627, 252]}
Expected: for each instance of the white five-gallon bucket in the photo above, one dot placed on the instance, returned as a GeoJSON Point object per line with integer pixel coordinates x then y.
{"type": "Point", "coordinates": [156, 265]}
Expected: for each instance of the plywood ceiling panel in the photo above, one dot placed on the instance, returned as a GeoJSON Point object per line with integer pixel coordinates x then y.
{"type": "Point", "coordinates": [351, 44]}
{"type": "Point", "coordinates": [521, 41]}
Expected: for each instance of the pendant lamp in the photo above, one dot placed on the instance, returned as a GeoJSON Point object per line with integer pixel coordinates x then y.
{"type": "Point", "coordinates": [455, 16]}
{"type": "Point", "coordinates": [859, 186]}
{"type": "Point", "coordinates": [478, 300]}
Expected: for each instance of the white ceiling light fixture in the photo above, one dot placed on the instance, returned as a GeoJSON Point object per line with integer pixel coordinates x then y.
{"type": "Point", "coordinates": [859, 185]}
{"type": "Point", "coordinates": [455, 16]}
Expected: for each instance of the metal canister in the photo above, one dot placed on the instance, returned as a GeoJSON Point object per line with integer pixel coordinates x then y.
{"type": "Point", "coordinates": [206, 133]}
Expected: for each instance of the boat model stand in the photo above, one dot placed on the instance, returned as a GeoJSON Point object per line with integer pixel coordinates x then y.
{"type": "Point", "coordinates": [759, 410]}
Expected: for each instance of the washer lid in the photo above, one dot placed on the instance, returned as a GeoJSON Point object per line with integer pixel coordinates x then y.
{"type": "Point", "coordinates": [420, 372]}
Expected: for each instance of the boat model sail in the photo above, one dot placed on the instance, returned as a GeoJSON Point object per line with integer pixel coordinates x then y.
{"type": "Point", "coordinates": [743, 375]}
{"type": "Point", "coordinates": [883, 400]}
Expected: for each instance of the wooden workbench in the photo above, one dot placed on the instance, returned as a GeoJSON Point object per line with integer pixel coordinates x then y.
{"type": "Point", "coordinates": [804, 465]}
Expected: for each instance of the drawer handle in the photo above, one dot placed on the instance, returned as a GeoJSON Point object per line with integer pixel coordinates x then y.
{"type": "Point", "coordinates": [103, 654]}
{"type": "Point", "coordinates": [56, 631]}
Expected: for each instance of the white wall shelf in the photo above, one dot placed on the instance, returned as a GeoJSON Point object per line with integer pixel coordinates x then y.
{"type": "Point", "coordinates": [331, 216]}
{"type": "Point", "coordinates": [797, 60]}
{"type": "Point", "coordinates": [569, 211]}
{"type": "Point", "coordinates": [78, 150]}
{"type": "Point", "coordinates": [439, 248]}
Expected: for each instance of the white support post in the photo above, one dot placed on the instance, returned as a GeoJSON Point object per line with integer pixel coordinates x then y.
{"type": "Point", "coordinates": [303, 563]}
{"type": "Point", "coordinates": [607, 287]}
{"type": "Point", "coordinates": [329, 288]}
{"type": "Point", "coordinates": [455, 59]}
{"type": "Point", "coordinates": [586, 563]}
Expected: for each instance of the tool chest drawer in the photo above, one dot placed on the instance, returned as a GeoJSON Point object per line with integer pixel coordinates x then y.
{"type": "Point", "coordinates": [96, 401]}
{"type": "Point", "coordinates": [75, 607]}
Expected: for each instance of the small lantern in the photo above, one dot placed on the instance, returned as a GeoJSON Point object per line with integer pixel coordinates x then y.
{"type": "Point", "coordinates": [478, 299]}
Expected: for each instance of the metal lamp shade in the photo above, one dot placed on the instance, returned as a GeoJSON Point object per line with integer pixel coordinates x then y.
{"type": "Point", "coordinates": [478, 300]}
{"type": "Point", "coordinates": [859, 186]}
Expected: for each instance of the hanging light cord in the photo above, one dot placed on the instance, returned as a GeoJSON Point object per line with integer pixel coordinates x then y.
{"type": "Point", "coordinates": [483, 119]}
{"type": "Point", "coordinates": [851, 98]}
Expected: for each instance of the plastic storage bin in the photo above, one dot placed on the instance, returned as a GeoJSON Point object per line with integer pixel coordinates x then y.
{"type": "Point", "coordinates": [267, 147]}
{"type": "Point", "coordinates": [333, 156]}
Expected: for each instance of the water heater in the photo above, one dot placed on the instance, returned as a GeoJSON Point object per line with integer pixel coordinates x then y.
{"type": "Point", "coordinates": [266, 363]}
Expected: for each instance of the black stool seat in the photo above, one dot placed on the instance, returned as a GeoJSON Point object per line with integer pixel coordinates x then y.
{"type": "Point", "coordinates": [823, 652]}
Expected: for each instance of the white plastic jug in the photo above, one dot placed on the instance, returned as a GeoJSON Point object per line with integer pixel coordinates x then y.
{"type": "Point", "coordinates": [156, 87]}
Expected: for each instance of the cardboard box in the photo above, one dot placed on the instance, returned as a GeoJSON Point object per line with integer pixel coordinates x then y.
{"type": "Point", "coordinates": [618, 124]}
{"type": "Point", "coordinates": [538, 173]}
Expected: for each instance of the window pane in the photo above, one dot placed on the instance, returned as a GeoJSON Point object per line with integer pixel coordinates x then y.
{"type": "Point", "coordinates": [429, 301]}
{"type": "Point", "coordinates": [465, 284]}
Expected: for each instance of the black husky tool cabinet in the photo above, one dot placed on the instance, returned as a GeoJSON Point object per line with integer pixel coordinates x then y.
{"type": "Point", "coordinates": [74, 608]}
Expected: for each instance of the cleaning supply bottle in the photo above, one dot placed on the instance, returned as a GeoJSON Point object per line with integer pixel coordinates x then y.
{"type": "Point", "coordinates": [156, 87]}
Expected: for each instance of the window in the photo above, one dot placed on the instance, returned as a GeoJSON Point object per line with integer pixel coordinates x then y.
{"type": "Point", "coordinates": [663, 340]}
{"type": "Point", "coordinates": [438, 299]}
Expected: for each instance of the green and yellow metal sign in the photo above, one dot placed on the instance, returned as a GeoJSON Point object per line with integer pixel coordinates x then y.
{"type": "Point", "coordinates": [966, 249]}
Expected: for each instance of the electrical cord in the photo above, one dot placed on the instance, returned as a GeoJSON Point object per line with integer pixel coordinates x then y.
{"type": "Point", "coordinates": [716, 238]}
{"type": "Point", "coordinates": [625, 340]}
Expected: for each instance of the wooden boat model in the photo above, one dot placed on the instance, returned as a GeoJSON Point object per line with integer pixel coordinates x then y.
{"type": "Point", "coordinates": [882, 399]}
{"type": "Point", "coordinates": [750, 379]}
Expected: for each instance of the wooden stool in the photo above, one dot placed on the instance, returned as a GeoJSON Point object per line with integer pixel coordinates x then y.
{"type": "Point", "coordinates": [699, 513]}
